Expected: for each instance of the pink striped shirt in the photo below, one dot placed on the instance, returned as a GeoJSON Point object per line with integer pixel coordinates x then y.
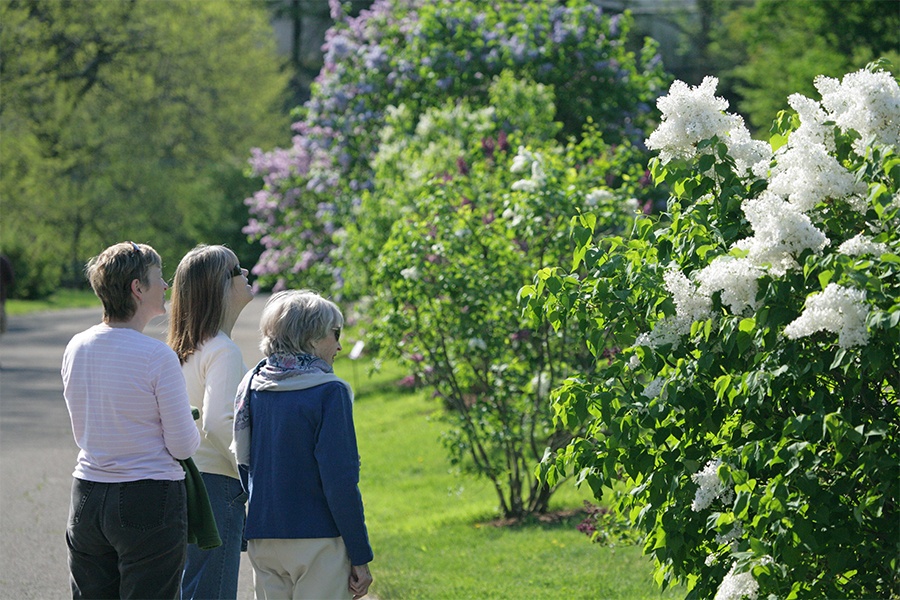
{"type": "Point", "coordinates": [129, 406]}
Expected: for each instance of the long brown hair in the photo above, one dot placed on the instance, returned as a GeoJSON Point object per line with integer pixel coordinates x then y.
{"type": "Point", "coordinates": [198, 298]}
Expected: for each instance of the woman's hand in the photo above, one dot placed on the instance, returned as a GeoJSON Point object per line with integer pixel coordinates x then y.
{"type": "Point", "coordinates": [360, 580]}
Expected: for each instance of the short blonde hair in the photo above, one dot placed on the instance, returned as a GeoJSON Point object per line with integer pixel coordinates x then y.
{"type": "Point", "coordinates": [293, 319]}
{"type": "Point", "coordinates": [111, 273]}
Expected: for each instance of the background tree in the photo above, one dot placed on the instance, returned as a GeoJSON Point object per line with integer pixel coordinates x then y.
{"type": "Point", "coordinates": [768, 50]}
{"type": "Point", "coordinates": [129, 120]}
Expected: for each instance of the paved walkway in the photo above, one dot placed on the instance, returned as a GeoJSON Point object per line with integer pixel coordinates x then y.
{"type": "Point", "coordinates": [37, 453]}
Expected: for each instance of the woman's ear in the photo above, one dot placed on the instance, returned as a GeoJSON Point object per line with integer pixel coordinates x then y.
{"type": "Point", "coordinates": [136, 288]}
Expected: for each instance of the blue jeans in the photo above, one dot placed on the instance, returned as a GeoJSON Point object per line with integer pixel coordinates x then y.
{"type": "Point", "coordinates": [127, 540]}
{"type": "Point", "coordinates": [214, 573]}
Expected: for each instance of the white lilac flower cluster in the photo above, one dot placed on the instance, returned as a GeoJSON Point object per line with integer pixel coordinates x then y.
{"type": "Point", "coordinates": [736, 278]}
{"type": "Point", "coordinates": [411, 273]}
{"type": "Point", "coordinates": [710, 486]}
{"type": "Point", "coordinates": [693, 114]}
{"type": "Point", "coordinates": [780, 232]}
{"type": "Point", "coordinates": [596, 196]}
{"type": "Point", "coordinates": [477, 344]}
{"type": "Point", "coordinates": [654, 388]}
{"type": "Point", "coordinates": [668, 331]}
{"type": "Point", "coordinates": [806, 172]}
{"type": "Point", "coordinates": [736, 586]}
{"type": "Point", "coordinates": [732, 536]}
{"type": "Point", "coordinates": [862, 245]}
{"type": "Point", "coordinates": [837, 309]}
{"type": "Point", "coordinates": [526, 161]}
{"type": "Point", "coordinates": [865, 102]}
{"type": "Point", "coordinates": [690, 303]}
{"type": "Point", "coordinates": [513, 215]}
{"type": "Point", "coordinates": [803, 174]}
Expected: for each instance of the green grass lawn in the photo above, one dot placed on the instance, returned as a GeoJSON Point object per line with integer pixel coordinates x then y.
{"type": "Point", "coordinates": [64, 298]}
{"type": "Point", "coordinates": [431, 528]}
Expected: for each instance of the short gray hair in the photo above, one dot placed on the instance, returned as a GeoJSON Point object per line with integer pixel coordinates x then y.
{"type": "Point", "coordinates": [293, 319]}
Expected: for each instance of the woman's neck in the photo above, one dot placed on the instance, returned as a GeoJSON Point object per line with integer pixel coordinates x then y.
{"type": "Point", "coordinates": [228, 321]}
{"type": "Point", "coordinates": [136, 322]}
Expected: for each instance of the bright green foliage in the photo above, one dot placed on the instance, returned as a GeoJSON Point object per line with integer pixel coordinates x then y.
{"type": "Point", "coordinates": [760, 441]}
{"type": "Point", "coordinates": [467, 233]}
{"type": "Point", "coordinates": [413, 150]}
{"type": "Point", "coordinates": [129, 120]}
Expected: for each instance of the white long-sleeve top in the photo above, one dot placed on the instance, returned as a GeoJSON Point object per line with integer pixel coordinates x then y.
{"type": "Point", "coordinates": [212, 374]}
{"type": "Point", "coordinates": [129, 407]}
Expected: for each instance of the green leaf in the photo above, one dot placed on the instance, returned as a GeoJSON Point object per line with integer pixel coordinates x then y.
{"type": "Point", "coordinates": [742, 505]}
{"type": "Point", "coordinates": [722, 385]}
{"type": "Point", "coordinates": [838, 358]}
{"type": "Point", "coordinates": [758, 547]}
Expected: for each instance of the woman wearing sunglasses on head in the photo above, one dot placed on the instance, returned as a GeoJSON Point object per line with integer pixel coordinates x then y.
{"type": "Point", "coordinates": [132, 421]}
{"type": "Point", "coordinates": [209, 291]}
{"type": "Point", "coordinates": [294, 432]}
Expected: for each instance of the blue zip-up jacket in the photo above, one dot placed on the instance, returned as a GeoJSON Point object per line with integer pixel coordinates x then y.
{"type": "Point", "coordinates": [303, 475]}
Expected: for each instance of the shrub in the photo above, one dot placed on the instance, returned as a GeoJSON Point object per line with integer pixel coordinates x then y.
{"type": "Point", "coordinates": [472, 219]}
{"type": "Point", "coordinates": [753, 410]}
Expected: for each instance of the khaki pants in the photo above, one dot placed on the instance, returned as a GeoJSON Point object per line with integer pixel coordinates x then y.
{"type": "Point", "coordinates": [300, 569]}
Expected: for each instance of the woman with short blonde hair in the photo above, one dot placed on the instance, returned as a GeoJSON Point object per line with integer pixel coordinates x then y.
{"type": "Point", "coordinates": [132, 421]}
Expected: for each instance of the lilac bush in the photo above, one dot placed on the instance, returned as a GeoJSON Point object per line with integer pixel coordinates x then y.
{"type": "Point", "coordinates": [752, 416]}
{"type": "Point", "coordinates": [420, 54]}
{"type": "Point", "coordinates": [472, 211]}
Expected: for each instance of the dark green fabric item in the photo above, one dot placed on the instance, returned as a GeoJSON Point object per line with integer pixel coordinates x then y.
{"type": "Point", "coordinates": [202, 528]}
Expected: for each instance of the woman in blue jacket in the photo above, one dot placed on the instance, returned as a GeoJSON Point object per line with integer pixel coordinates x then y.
{"type": "Point", "coordinates": [294, 435]}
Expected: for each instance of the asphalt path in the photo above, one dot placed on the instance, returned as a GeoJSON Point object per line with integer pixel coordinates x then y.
{"type": "Point", "coordinates": [37, 451]}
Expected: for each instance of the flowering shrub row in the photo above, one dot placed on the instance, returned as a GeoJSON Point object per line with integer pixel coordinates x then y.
{"type": "Point", "coordinates": [420, 54]}
{"type": "Point", "coordinates": [475, 212]}
{"type": "Point", "coordinates": [753, 408]}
